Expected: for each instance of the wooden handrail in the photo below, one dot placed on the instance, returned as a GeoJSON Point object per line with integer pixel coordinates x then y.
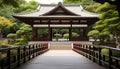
{"type": "Point", "coordinates": [14, 56]}
{"type": "Point", "coordinates": [93, 52]}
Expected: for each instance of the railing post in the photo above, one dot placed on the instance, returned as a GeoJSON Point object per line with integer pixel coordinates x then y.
{"type": "Point", "coordinates": [8, 58]}
{"type": "Point", "coordinates": [33, 51]}
{"type": "Point", "coordinates": [99, 55]}
{"type": "Point", "coordinates": [116, 63]}
{"type": "Point", "coordinates": [93, 53]}
{"type": "Point", "coordinates": [83, 49]}
{"type": "Point", "coordinates": [103, 58]}
{"type": "Point", "coordinates": [110, 58]}
{"type": "Point", "coordinates": [29, 52]}
{"type": "Point", "coordinates": [2, 64]}
{"type": "Point", "coordinates": [89, 51]}
{"type": "Point", "coordinates": [18, 56]}
{"type": "Point", "coordinates": [86, 51]}
{"type": "Point", "coordinates": [37, 50]}
{"type": "Point", "coordinates": [24, 54]}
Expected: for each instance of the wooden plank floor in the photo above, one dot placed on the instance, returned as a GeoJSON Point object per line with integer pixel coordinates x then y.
{"type": "Point", "coordinates": [60, 59]}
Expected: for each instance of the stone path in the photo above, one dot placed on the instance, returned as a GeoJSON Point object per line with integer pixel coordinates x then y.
{"type": "Point", "coordinates": [60, 59]}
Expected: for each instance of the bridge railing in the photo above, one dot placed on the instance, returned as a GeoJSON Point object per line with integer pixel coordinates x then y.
{"type": "Point", "coordinates": [15, 56]}
{"type": "Point", "coordinates": [94, 53]}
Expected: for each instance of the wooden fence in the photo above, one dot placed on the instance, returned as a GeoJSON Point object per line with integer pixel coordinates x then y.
{"type": "Point", "coordinates": [94, 53]}
{"type": "Point", "coordinates": [15, 56]}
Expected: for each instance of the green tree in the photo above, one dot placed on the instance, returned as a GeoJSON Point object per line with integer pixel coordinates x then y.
{"type": "Point", "coordinates": [74, 34]}
{"type": "Point", "coordinates": [24, 31]}
{"type": "Point", "coordinates": [109, 22]}
{"type": "Point", "coordinates": [88, 5]}
{"type": "Point", "coordinates": [66, 36]}
{"type": "Point", "coordinates": [57, 36]}
{"type": "Point", "coordinates": [94, 34]}
{"type": "Point", "coordinates": [27, 7]}
{"type": "Point", "coordinates": [42, 33]}
{"type": "Point", "coordinates": [92, 7]}
{"type": "Point", "coordinates": [14, 3]}
{"type": "Point", "coordinates": [113, 2]}
{"type": "Point", "coordinates": [71, 1]}
{"type": "Point", "coordinates": [84, 2]}
{"type": "Point", "coordinates": [13, 37]}
{"type": "Point", "coordinates": [4, 23]}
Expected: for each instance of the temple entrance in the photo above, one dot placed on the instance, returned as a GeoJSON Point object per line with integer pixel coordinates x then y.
{"type": "Point", "coordinates": [70, 21]}
{"type": "Point", "coordinates": [60, 34]}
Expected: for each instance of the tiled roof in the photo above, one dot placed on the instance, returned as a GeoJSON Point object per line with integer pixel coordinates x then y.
{"type": "Point", "coordinates": [44, 8]}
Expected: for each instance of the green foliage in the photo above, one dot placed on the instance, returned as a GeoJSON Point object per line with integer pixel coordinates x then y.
{"type": "Point", "coordinates": [4, 23]}
{"type": "Point", "coordinates": [21, 41]}
{"type": "Point", "coordinates": [57, 35]}
{"type": "Point", "coordinates": [14, 3]}
{"type": "Point", "coordinates": [42, 32]}
{"type": "Point", "coordinates": [114, 52]}
{"type": "Point", "coordinates": [22, 31]}
{"type": "Point", "coordinates": [88, 5]}
{"type": "Point", "coordinates": [78, 1]}
{"type": "Point", "coordinates": [74, 34]}
{"type": "Point", "coordinates": [62, 31]}
{"type": "Point", "coordinates": [93, 33]}
{"type": "Point", "coordinates": [27, 7]}
{"type": "Point", "coordinates": [24, 34]}
{"type": "Point", "coordinates": [66, 36]}
{"type": "Point", "coordinates": [1, 42]}
{"type": "Point", "coordinates": [4, 44]}
{"type": "Point", "coordinates": [105, 51]}
{"type": "Point", "coordinates": [12, 35]}
{"type": "Point", "coordinates": [92, 7]}
{"type": "Point", "coordinates": [71, 1]}
{"type": "Point", "coordinates": [108, 24]}
{"type": "Point", "coordinates": [6, 11]}
{"type": "Point", "coordinates": [105, 7]}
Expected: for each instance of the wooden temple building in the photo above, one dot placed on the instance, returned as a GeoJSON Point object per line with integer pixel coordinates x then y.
{"type": "Point", "coordinates": [60, 16]}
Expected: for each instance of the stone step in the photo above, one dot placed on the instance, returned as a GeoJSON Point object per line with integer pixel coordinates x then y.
{"type": "Point", "coordinates": [60, 46]}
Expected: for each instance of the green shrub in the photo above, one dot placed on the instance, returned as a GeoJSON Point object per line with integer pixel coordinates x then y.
{"type": "Point", "coordinates": [11, 35]}
{"type": "Point", "coordinates": [66, 36]}
{"type": "Point", "coordinates": [105, 51]}
{"type": "Point", "coordinates": [75, 34]}
{"type": "Point", "coordinates": [57, 35]}
{"type": "Point", "coordinates": [21, 41]}
{"type": "Point", "coordinates": [3, 55]}
{"type": "Point", "coordinates": [114, 52]}
{"type": "Point", "coordinates": [14, 52]}
{"type": "Point", "coordinates": [96, 42]}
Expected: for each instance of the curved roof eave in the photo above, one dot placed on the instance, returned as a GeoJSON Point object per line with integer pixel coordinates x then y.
{"type": "Point", "coordinates": [60, 5]}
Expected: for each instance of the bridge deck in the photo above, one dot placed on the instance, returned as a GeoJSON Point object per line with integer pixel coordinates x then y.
{"type": "Point", "coordinates": [60, 59]}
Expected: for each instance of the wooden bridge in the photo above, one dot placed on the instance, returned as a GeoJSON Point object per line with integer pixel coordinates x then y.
{"type": "Point", "coordinates": [41, 55]}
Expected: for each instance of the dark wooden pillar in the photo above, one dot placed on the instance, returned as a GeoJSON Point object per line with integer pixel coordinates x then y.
{"type": "Point", "coordinates": [34, 33]}
{"type": "Point", "coordinates": [70, 32]}
{"type": "Point", "coordinates": [85, 37]}
{"type": "Point", "coordinates": [50, 32]}
{"type": "Point", "coordinates": [84, 31]}
{"type": "Point", "coordinates": [33, 30]}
